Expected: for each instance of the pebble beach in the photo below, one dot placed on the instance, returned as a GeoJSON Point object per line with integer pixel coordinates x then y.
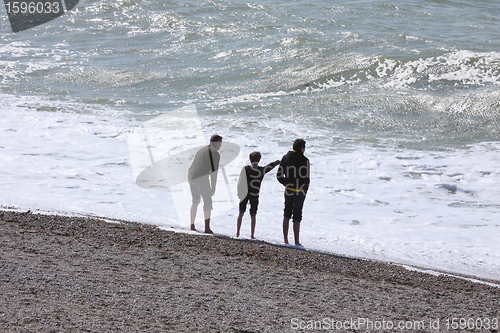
{"type": "Point", "coordinates": [83, 274]}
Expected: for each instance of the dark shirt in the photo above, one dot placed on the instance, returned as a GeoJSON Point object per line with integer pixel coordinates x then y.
{"type": "Point", "coordinates": [202, 165]}
{"type": "Point", "coordinates": [251, 179]}
{"type": "Point", "coordinates": [294, 171]}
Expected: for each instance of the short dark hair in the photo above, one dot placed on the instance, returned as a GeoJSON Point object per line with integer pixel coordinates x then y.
{"type": "Point", "coordinates": [298, 144]}
{"type": "Point", "coordinates": [254, 156]}
{"type": "Point", "coordinates": [216, 138]}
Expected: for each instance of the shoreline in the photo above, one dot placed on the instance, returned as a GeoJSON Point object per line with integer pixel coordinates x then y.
{"type": "Point", "coordinates": [409, 266]}
{"type": "Point", "coordinates": [66, 274]}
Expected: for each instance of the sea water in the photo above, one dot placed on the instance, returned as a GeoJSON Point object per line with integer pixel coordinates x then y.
{"type": "Point", "coordinates": [398, 102]}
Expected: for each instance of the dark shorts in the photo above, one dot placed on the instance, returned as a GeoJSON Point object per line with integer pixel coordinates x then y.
{"type": "Point", "coordinates": [294, 202]}
{"type": "Point", "coordinates": [254, 203]}
{"type": "Point", "coordinates": [200, 187]}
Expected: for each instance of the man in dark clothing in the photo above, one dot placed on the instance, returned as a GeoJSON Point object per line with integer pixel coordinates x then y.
{"type": "Point", "coordinates": [293, 173]}
{"type": "Point", "coordinates": [205, 165]}
{"type": "Point", "coordinates": [249, 188]}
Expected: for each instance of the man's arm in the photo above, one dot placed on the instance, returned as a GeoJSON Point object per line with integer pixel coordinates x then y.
{"type": "Point", "coordinates": [213, 175]}
{"type": "Point", "coordinates": [308, 177]}
{"type": "Point", "coordinates": [280, 174]}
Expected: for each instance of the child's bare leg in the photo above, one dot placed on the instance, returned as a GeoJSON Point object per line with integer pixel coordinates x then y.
{"type": "Point", "coordinates": [252, 226]}
{"type": "Point", "coordinates": [285, 229]}
{"type": "Point", "coordinates": [194, 208]}
{"type": "Point", "coordinates": [238, 223]}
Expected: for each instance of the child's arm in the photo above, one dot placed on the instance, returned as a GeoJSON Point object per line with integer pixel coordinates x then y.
{"type": "Point", "coordinates": [271, 166]}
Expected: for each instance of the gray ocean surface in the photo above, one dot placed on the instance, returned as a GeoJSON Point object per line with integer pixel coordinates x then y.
{"type": "Point", "coordinates": [399, 103]}
{"type": "Point", "coordinates": [407, 74]}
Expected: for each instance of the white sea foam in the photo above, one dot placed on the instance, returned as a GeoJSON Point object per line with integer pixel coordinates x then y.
{"type": "Point", "coordinates": [463, 67]}
{"type": "Point", "coordinates": [433, 209]}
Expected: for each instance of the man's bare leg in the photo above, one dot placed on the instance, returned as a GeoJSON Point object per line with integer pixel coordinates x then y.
{"type": "Point", "coordinates": [253, 218]}
{"type": "Point", "coordinates": [238, 224]}
{"type": "Point", "coordinates": [207, 222]}
{"type": "Point", "coordinates": [296, 231]}
{"type": "Point", "coordinates": [285, 229]}
{"type": "Point", "coordinates": [194, 209]}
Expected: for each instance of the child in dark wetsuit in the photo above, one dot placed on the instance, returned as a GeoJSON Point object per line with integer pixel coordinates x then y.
{"type": "Point", "coordinates": [249, 188]}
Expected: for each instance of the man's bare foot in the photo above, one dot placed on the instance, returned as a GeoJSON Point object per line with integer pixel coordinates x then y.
{"type": "Point", "coordinates": [298, 244]}
{"type": "Point", "coordinates": [238, 235]}
{"type": "Point", "coordinates": [286, 241]}
{"type": "Point", "coordinates": [252, 237]}
{"type": "Point", "coordinates": [208, 231]}
{"type": "Point", "coordinates": [192, 227]}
